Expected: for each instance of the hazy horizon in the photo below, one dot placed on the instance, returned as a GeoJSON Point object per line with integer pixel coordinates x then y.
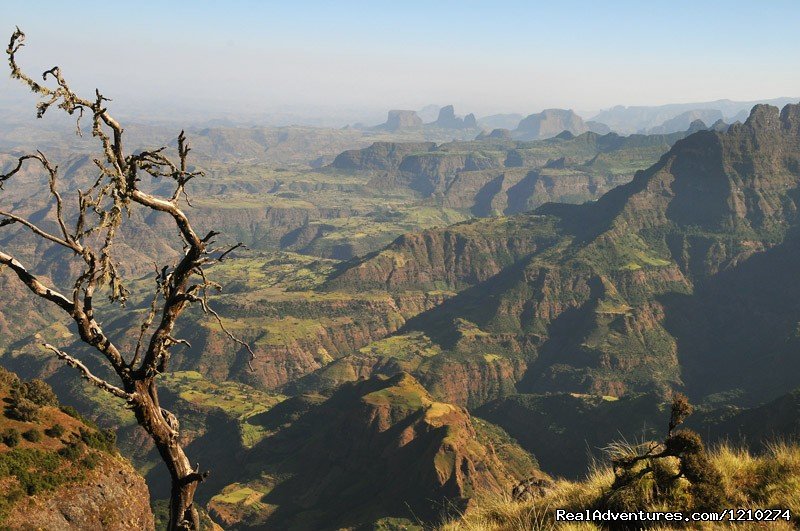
{"type": "Point", "coordinates": [314, 59]}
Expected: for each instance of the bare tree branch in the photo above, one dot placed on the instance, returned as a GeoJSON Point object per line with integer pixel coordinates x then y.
{"type": "Point", "coordinates": [37, 230]}
{"type": "Point", "coordinates": [35, 285]}
{"type": "Point", "coordinates": [87, 374]}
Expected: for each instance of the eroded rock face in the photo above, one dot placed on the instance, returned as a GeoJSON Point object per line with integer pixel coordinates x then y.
{"type": "Point", "coordinates": [76, 479]}
{"type": "Point", "coordinates": [112, 497]}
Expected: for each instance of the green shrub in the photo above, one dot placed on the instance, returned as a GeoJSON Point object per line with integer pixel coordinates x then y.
{"type": "Point", "coordinates": [39, 393]}
{"type": "Point", "coordinates": [71, 451]}
{"type": "Point", "coordinates": [7, 377]}
{"type": "Point", "coordinates": [72, 412]}
{"type": "Point", "coordinates": [35, 470]}
{"type": "Point", "coordinates": [90, 461]}
{"type": "Point", "coordinates": [55, 431]}
{"type": "Point", "coordinates": [655, 472]}
{"type": "Point", "coordinates": [33, 435]}
{"type": "Point", "coordinates": [10, 437]}
{"type": "Point", "coordinates": [23, 409]}
{"type": "Point", "coordinates": [104, 440]}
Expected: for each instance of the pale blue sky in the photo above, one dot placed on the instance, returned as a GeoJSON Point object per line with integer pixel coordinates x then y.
{"type": "Point", "coordinates": [485, 57]}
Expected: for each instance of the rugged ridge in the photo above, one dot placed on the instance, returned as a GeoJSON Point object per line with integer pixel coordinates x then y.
{"type": "Point", "coordinates": [380, 448]}
{"type": "Point", "coordinates": [595, 305]}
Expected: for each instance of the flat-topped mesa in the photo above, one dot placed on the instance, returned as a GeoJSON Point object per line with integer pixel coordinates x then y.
{"type": "Point", "coordinates": [399, 119]}
{"type": "Point", "coordinates": [553, 122]}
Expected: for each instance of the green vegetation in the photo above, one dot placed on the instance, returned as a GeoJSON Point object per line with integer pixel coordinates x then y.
{"type": "Point", "coordinates": [10, 437]}
{"type": "Point", "coordinates": [55, 431]}
{"type": "Point", "coordinates": [33, 435]}
{"type": "Point", "coordinates": [239, 401]}
{"type": "Point", "coordinates": [26, 398]}
{"type": "Point", "coordinates": [32, 464]}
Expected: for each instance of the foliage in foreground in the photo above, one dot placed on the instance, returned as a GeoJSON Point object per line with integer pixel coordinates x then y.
{"type": "Point", "coordinates": [769, 480]}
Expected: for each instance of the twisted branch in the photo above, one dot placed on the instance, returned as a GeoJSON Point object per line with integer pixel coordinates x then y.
{"type": "Point", "coordinates": [87, 374]}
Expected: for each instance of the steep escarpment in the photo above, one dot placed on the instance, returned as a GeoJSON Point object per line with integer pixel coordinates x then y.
{"type": "Point", "coordinates": [454, 257]}
{"type": "Point", "coordinates": [57, 472]}
{"type": "Point", "coordinates": [612, 299]}
{"type": "Point", "coordinates": [379, 156]}
{"type": "Point", "coordinates": [377, 449]}
{"type": "Point", "coordinates": [495, 174]}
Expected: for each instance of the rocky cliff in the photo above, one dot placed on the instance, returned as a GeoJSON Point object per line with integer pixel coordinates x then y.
{"type": "Point", "coordinates": [597, 301]}
{"type": "Point", "coordinates": [57, 472]}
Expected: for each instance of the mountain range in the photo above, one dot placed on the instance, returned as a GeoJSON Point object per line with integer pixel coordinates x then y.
{"type": "Point", "coordinates": [592, 275]}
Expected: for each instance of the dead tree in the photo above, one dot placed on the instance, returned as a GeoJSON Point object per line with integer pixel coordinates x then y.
{"type": "Point", "coordinates": [89, 240]}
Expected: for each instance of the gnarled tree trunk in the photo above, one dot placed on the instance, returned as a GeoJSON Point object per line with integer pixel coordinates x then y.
{"type": "Point", "coordinates": [159, 424]}
{"type": "Point", "coordinates": [100, 213]}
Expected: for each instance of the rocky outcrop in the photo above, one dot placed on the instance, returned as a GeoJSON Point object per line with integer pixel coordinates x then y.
{"type": "Point", "coordinates": [551, 122]}
{"type": "Point", "coordinates": [113, 496]}
{"type": "Point", "coordinates": [71, 476]}
{"type": "Point", "coordinates": [448, 120]}
{"type": "Point", "coordinates": [495, 134]}
{"type": "Point", "coordinates": [398, 120]}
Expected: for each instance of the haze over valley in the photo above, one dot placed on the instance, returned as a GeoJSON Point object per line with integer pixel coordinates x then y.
{"type": "Point", "coordinates": [370, 304]}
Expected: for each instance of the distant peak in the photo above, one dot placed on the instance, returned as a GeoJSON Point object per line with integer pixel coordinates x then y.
{"type": "Point", "coordinates": [763, 116]}
{"type": "Point", "coordinates": [697, 125]}
{"type": "Point", "coordinates": [448, 120]}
